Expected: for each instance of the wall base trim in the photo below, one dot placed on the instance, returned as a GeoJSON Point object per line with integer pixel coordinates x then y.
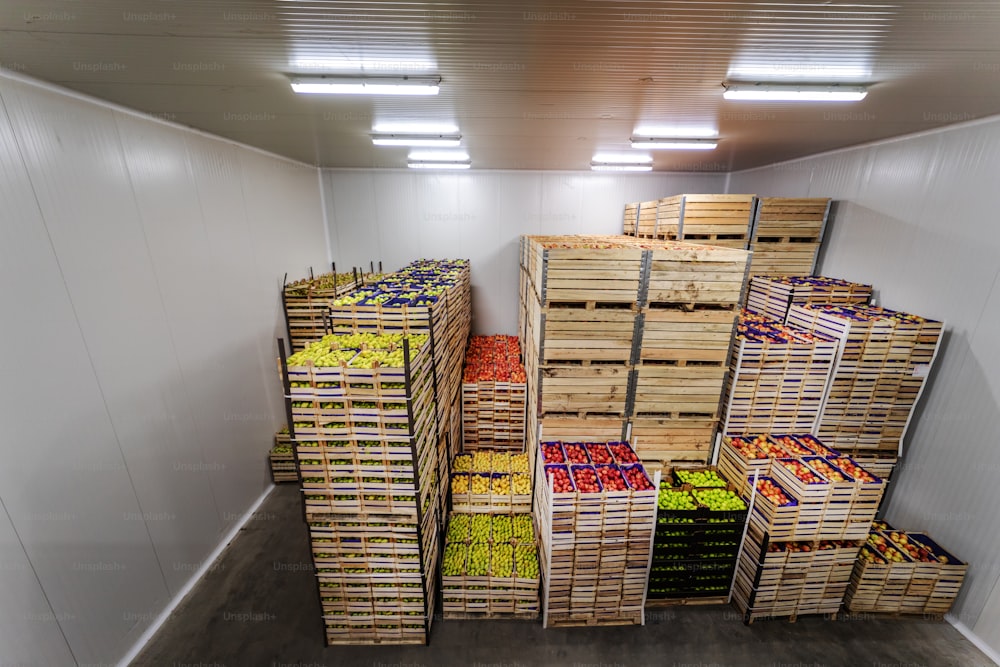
{"type": "Point", "coordinates": [976, 640]}
{"type": "Point", "coordinates": [193, 581]}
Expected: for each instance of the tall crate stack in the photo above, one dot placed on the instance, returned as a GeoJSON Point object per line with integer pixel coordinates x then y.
{"type": "Point", "coordinates": [787, 234]}
{"type": "Point", "coordinates": [494, 394]}
{"type": "Point", "coordinates": [717, 220]}
{"type": "Point", "coordinates": [305, 303]}
{"type": "Point", "coordinates": [777, 378]}
{"type": "Point", "coordinates": [882, 366]}
{"type": "Point", "coordinates": [431, 297]}
{"type": "Point", "coordinates": [812, 509]}
{"type": "Point", "coordinates": [773, 296]}
{"type": "Point", "coordinates": [628, 336]}
{"type": "Point", "coordinates": [364, 427]}
{"type": "Point", "coordinates": [688, 319]}
{"type": "Point", "coordinates": [596, 524]}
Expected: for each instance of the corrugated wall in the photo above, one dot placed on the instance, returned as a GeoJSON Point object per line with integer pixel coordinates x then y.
{"type": "Point", "coordinates": [917, 217]}
{"type": "Point", "coordinates": [398, 216]}
{"type": "Point", "coordinates": [140, 267]}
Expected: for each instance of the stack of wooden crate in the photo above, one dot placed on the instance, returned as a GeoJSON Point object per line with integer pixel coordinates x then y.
{"type": "Point", "coordinates": [882, 365]}
{"type": "Point", "coordinates": [777, 379]}
{"type": "Point", "coordinates": [282, 458]}
{"type": "Point", "coordinates": [490, 567]}
{"type": "Point", "coordinates": [787, 234]}
{"type": "Point", "coordinates": [306, 302]}
{"type": "Point", "coordinates": [628, 338]}
{"type": "Point", "coordinates": [789, 579]}
{"type": "Point", "coordinates": [429, 297]}
{"type": "Point", "coordinates": [595, 542]}
{"type": "Point", "coordinates": [718, 220]}
{"type": "Point", "coordinates": [363, 423]}
{"type": "Point", "coordinates": [773, 296]}
{"type": "Point", "coordinates": [494, 394]}
{"type": "Point", "coordinates": [904, 573]}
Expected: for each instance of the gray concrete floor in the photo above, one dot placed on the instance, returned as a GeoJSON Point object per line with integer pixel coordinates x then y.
{"type": "Point", "coordinates": [258, 606]}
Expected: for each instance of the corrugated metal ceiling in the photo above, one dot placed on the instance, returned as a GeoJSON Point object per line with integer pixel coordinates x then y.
{"type": "Point", "coordinates": [529, 85]}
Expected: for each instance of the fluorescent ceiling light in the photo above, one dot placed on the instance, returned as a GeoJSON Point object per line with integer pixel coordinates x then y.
{"type": "Point", "coordinates": [794, 92]}
{"type": "Point", "coordinates": [676, 143]}
{"type": "Point", "coordinates": [439, 140]}
{"type": "Point", "coordinates": [620, 166]}
{"type": "Point", "coordinates": [367, 85]}
{"type": "Point", "coordinates": [436, 164]}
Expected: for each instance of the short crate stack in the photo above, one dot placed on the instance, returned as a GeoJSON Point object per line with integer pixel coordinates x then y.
{"type": "Point", "coordinates": [789, 579]}
{"type": "Point", "coordinates": [699, 526]}
{"type": "Point", "coordinates": [627, 336]}
{"type": "Point", "coordinates": [806, 491]}
{"type": "Point", "coordinates": [904, 573]}
{"type": "Point", "coordinates": [282, 458]}
{"type": "Point", "coordinates": [494, 393]}
{"type": "Point", "coordinates": [364, 429]}
{"type": "Point", "coordinates": [787, 234]}
{"type": "Point", "coordinates": [490, 567]}
{"type": "Point", "coordinates": [882, 365]}
{"type": "Point", "coordinates": [772, 296]}
{"type": "Point", "coordinates": [596, 524]}
{"type": "Point", "coordinates": [306, 302]}
{"type": "Point", "coordinates": [428, 297]}
{"type": "Point", "coordinates": [777, 378]}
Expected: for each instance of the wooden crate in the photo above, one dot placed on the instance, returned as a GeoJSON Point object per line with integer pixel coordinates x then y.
{"type": "Point", "coordinates": [778, 378]}
{"type": "Point", "coordinates": [787, 234]}
{"type": "Point", "coordinates": [630, 219]}
{"type": "Point", "coordinates": [719, 220]}
{"type": "Point", "coordinates": [646, 219]}
{"type": "Point", "coordinates": [773, 295]}
{"type": "Point", "coordinates": [673, 439]}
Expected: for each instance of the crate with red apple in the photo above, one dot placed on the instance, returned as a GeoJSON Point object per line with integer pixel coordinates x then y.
{"type": "Point", "coordinates": [494, 394]}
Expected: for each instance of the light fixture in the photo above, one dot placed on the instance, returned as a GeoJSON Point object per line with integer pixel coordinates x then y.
{"type": "Point", "coordinates": [793, 92]}
{"type": "Point", "coordinates": [620, 166]}
{"type": "Point", "coordinates": [435, 140]}
{"type": "Point", "coordinates": [438, 164]}
{"type": "Point", "coordinates": [675, 143]}
{"type": "Point", "coordinates": [367, 85]}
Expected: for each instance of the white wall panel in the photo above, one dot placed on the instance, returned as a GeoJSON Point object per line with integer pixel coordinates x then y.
{"type": "Point", "coordinates": [69, 493]}
{"type": "Point", "coordinates": [144, 262]}
{"type": "Point", "coordinates": [916, 218]}
{"type": "Point", "coordinates": [400, 216]}
{"type": "Point", "coordinates": [29, 633]}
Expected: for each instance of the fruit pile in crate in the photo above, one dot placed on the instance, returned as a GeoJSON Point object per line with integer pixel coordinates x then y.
{"type": "Point", "coordinates": [777, 377]}
{"type": "Point", "coordinates": [596, 510]}
{"type": "Point", "coordinates": [904, 572]}
{"type": "Point", "coordinates": [788, 579]}
{"type": "Point", "coordinates": [699, 524]}
{"type": "Point", "coordinates": [494, 392]}
{"type": "Point", "coordinates": [282, 458]}
{"type": "Point", "coordinates": [491, 481]}
{"type": "Point", "coordinates": [363, 425]}
{"type": "Point", "coordinates": [807, 490]}
{"type": "Point", "coordinates": [490, 567]}
{"type": "Point", "coordinates": [306, 302]}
